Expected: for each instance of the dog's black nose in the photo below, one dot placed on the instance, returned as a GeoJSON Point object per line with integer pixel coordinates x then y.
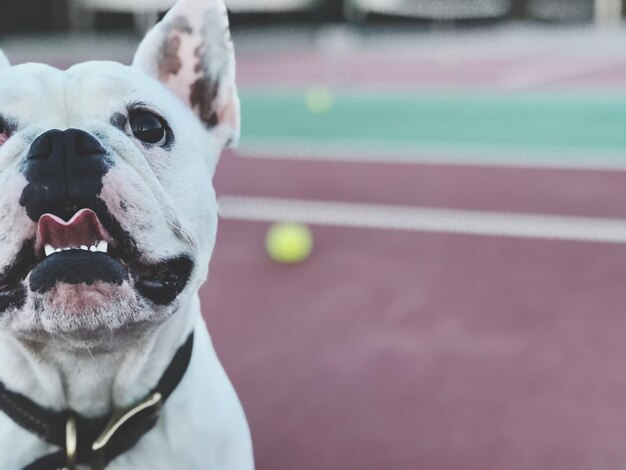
{"type": "Point", "coordinates": [68, 144]}
{"type": "Point", "coordinates": [64, 170]}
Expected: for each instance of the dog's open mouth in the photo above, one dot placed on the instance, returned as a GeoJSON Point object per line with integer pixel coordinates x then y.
{"type": "Point", "coordinates": [84, 231]}
{"type": "Point", "coordinates": [83, 250]}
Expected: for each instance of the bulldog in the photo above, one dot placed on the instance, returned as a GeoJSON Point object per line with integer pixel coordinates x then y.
{"type": "Point", "coordinates": [108, 220]}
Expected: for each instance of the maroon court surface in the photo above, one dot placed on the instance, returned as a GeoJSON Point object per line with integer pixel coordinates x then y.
{"type": "Point", "coordinates": [412, 350]}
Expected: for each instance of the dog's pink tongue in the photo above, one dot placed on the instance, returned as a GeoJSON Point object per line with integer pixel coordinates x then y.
{"type": "Point", "coordinates": [84, 228]}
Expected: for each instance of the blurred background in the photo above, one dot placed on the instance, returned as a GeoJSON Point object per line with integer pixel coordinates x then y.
{"type": "Point", "coordinates": [461, 167]}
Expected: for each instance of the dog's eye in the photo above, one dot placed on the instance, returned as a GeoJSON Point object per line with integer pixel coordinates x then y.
{"type": "Point", "coordinates": [148, 128]}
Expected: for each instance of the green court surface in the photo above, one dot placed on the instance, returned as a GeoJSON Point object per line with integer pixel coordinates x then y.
{"type": "Point", "coordinates": [577, 129]}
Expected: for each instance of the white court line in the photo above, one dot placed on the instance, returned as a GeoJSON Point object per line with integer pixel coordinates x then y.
{"type": "Point", "coordinates": [433, 153]}
{"type": "Point", "coordinates": [419, 219]}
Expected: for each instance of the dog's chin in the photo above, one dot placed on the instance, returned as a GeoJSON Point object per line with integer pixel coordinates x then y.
{"type": "Point", "coordinates": [92, 301]}
{"type": "Point", "coordinates": [87, 307]}
{"type": "Point", "coordinates": [95, 317]}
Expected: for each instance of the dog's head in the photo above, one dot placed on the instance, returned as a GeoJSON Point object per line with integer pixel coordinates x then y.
{"type": "Point", "coordinates": [107, 210]}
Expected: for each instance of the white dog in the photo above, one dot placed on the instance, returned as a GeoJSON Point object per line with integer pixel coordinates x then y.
{"type": "Point", "coordinates": [107, 223]}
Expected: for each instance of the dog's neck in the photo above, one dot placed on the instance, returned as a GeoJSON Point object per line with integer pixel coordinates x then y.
{"type": "Point", "coordinates": [95, 384]}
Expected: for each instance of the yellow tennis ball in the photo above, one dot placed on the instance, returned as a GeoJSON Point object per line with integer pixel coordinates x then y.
{"type": "Point", "coordinates": [289, 243]}
{"type": "Point", "coordinates": [319, 100]}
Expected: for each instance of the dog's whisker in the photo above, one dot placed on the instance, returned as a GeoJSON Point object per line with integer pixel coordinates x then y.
{"type": "Point", "coordinates": [93, 360]}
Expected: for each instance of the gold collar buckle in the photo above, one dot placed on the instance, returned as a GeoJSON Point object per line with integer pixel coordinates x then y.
{"type": "Point", "coordinates": [116, 422]}
{"type": "Point", "coordinates": [121, 417]}
{"type": "Point", "coordinates": [71, 440]}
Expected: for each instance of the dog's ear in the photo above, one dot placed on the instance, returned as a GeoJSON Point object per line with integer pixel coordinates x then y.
{"type": "Point", "coordinates": [191, 52]}
{"type": "Point", "coordinates": [4, 62]}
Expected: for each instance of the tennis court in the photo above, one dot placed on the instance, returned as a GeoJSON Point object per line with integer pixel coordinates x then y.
{"type": "Point", "coordinates": [464, 303]}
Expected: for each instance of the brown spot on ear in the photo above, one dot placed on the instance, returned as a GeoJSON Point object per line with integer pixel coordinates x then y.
{"type": "Point", "coordinates": [169, 60]}
{"type": "Point", "coordinates": [197, 53]}
{"type": "Point", "coordinates": [202, 95]}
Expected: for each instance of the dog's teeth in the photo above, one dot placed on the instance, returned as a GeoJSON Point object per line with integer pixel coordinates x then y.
{"type": "Point", "coordinates": [101, 246]}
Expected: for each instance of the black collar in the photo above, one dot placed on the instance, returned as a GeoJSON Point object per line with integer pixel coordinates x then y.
{"type": "Point", "coordinates": [93, 441]}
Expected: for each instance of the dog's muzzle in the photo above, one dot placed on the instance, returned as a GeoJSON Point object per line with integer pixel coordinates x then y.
{"type": "Point", "coordinates": [78, 241]}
